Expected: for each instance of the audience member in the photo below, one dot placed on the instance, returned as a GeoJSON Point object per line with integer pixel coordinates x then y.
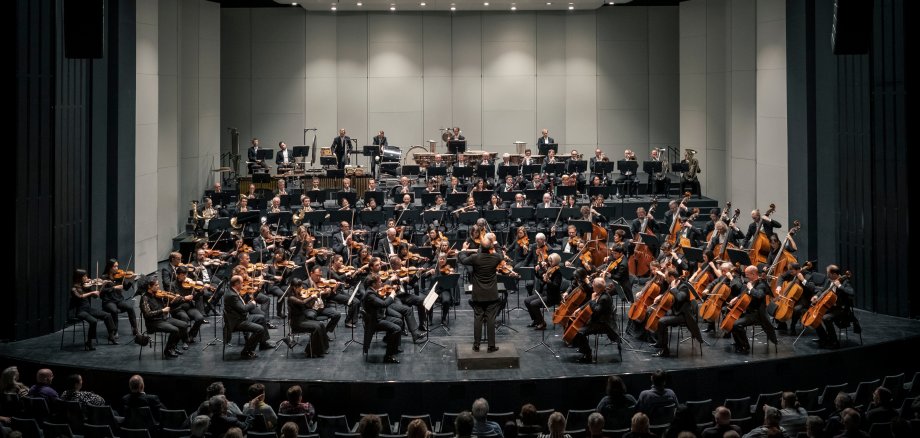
{"type": "Point", "coordinates": [723, 417]}
{"type": "Point", "coordinates": [639, 427]}
{"type": "Point", "coordinates": [530, 420]}
{"type": "Point", "coordinates": [291, 430]}
{"type": "Point", "coordinates": [880, 410]}
{"type": "Point", "coordinates": [222, 421]}
{"type": "Point", "coordinates": [595, 425]}
{"type": "Point", "coordinates": [417, 429]}
{"type": "Point", "coordinates": [199, 426]}
{"type": "Point", "coordinates": [370, 426]}
{"type": "Point", "coordinates": [217, 388]}
{"type": "Point", "coordinates": [834, 424]}
{"type": "Point", "coordinates": [510, 429]}
{"type": "Point", "coordinates": [257, 392]}
{"type": "Point", "coordinates": [556, 426]}
{"type": "Point", "coordinates": [234, 432]}
{"type": "Point", "coordinates": [463, 425]}
{"type": "Point", "coordinates": [851, 423]}
{"type": "Point", "coordinates": [794, 416]}
{"type": "Point", "coordinates": [137, 398]}
{"type": "Point", "coordinates": [482, 426]}
{"type": "Point", "coordinates": [42, 387]}
{"type": "Point", "coordinates": [74, 392]}
{"type": "Point", "coordinates": [653, 400]}
{"type": "Point", "coordinates": [771, 419]}
{"type": "Point", "coordinates": [10, 384]}
{"type": "Point", "coordinates": [683, 421]}
{"type": "Point", "coordinates": [814, 427]}
{"type": "Point", "coordinates": [295, 404]}
{"type": "Point", "coordinates": [617, 406]}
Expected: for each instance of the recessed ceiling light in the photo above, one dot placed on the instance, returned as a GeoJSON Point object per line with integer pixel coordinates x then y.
{"type": "Point", "coordinates": [571, 7]}
{"type": "Point", "coordinates": [453, 8]}
{"type": "Point", "coordinates": [333, 8]}
{"type": "Point", "coordinates": [549, 3]}
{"type": "Point", "coordinates": [422, 4]}
{"type": "Point", "coordinates": [485, 3]}
{"type": "Point", "coordinates": [360, 4]}
{"type": "Point", "coordinates": [294, 4]}
{"type": "Point", "coordinates": [514, 8]}
{"type": "Point", "coordinates": [392, 8]}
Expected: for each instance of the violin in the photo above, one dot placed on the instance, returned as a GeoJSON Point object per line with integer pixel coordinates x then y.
{"type": "Point", "coordinates": [244, 248]}
{"type": "Point", "coordinates": [549, 273]}
{"type": "Point", "coordinates": [447, 269]}
{"type": "Point", "coordinates": [524, 242]}
{"type": "Point", "coordinates": [188, 283]}
{"type": "Point", "coordinates": [505, 268]}
{"type": "Point", "coordinates": [256, 267]}
{"type": "Point", "coordinates": [310, 292]}
{"type": "Point", "coordinates": [211, 253]}
{"type": "Point", "coordinates": [287, 264]}
{"type": "Point", "coordinates": [248, 290]}
{"type": "Point", "coordinates": [406, 271]}
{"type": "Point", "coordinates": [167, 295]}
{"type": "Point", "coordinates": [416, 257]}
{"type": "Point", "coordinates": [119, 274]}
{"type": "Point", "coordinates": [386, 290]}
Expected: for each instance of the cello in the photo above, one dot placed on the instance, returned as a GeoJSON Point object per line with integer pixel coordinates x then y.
{"type": "Point", "coordinates": [723, 216]}
{"type": "Point", "coordinates": [737, 310]}
{"type": "Point", "coordinates": [789, 296]}
{"type": "Point", "coordinates": [661, 309]}
{"type": "Point", "coordinates": [569, 305]}
{"type": "Point", "coordinates": [684, 241]}
{"type": "Point", "coordinates": [759, 246]}
{"type": "Point", "coordinates": [676, 223]}
{"type": "Point", "coordinates": [638, 309]}
{"type": "Point", "coordinates": [579, 319]}
{"type": "Point", "coordinates": [784, 258]}
{"type": "Point", "coordinates": [642, 256]}
{"type": "Point", "coordinates": [812, 318]}
{"type": "Point", "coordinates": [703, 277]}
{"type": "Point", "coordinates": [715, 299]}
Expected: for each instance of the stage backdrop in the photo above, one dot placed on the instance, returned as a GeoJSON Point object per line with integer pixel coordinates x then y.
{"type": "Point", "coordinates": [607, 77]}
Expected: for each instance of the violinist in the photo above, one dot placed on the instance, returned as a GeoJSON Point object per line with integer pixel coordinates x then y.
{"type": "Point", "coordinates": [299, 243]}
{"type": "Point", "coordinates": [474, 236]}
{"type": "Point", "coordinates": [183, 308]}
{"type": "Point", "coordinates": [839, 315]}
{"type": "Point", "coordinates": [264, 245]}
{"type": "Point", "coordinates": [520, 246]}
{"type": "Point", "coordinates": [508, 186]}
{"type": "Point", "coordinates": [442, 269]}
{"type": "Point", "coordinates": [760, 223]}
{"type": "Point", "coordinates": [388, 245]}
{"type": "Point", "coordinates": [434, 238]}
{"type": "Point", "coordinates": [344, 241]}
{"type": "Point", "coordinates": [239, 317]}
{"type": "Point", "coordinates": [571, 242]}
{"type": "Point", "coordinates": [756, 312]}
{"type": "Point", "coordinates": [200, 273]}
{"type": "Point", "coordinates": [275, 275]}
{"type": "Point", "coordinates": [300, 303]}
{"type": "Point", "coordinates": [552, 295]}
{"type": "Point", "coordinates": [315, 281]}
{"type": "Point", "coordinates": [602, 320]}
{"type": "Point", "coordinates": [406, 203]}
{"type": "Point", "coordinates": [406, 280]}
{"type": "Point", "coordinates": [80, 296]}
{"type": "Point", "coordinates": [168, 272]}
{"type": "Point", "coordinates": [113, 295]}
{"type": "Point", "coordinates": [681, 313]}
{"type": "Point", "coordinates": [250, 271]}
{"type": "Point", "coordinates": [397, 309]}
{"type": "Point", "coordinates": [795, 272]}
{"type": "Point", "coordinates": [158, 319]}
{"type": "Point", "coordinates": [378, 318]}
{"type": "Point", "coordinates": [620, 272]}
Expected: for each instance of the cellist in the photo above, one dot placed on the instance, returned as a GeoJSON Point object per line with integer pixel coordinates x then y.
{"type": "Point", "coordinates": [724, 273]}
{"type": "Point", "coordinates": [756, 312]}
{"type": "Point", "coordinates": [795, 272]}
{"type": "Point", "coordinates": [840, 314]}
{"type": "Point", "coordinates": [620, 273]}
{"type": "Point", "coordinates": [775, 250]}
{"type": "Point", "coordinates": [602, 320]}
{"type": "Point", "coordinates": [681, 313]}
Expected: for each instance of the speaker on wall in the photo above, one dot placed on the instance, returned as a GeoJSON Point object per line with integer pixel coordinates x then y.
{"type": "Point", "coordinates": [851, 32]}
{"type": "Point", "coordinates": [83, 28]}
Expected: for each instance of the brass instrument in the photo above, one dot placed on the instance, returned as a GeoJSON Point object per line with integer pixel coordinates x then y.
{"type": "Point", "coordinates": [193, 216]}
{"type": "Point", "coordinates": [693, 163]}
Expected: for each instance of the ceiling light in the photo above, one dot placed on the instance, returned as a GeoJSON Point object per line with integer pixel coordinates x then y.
{"type": "Point", "coordinates": [333, 8]}
{"type": "Point", "coordinates": [422, 4]}
{"type": "Point", "coordinates": [392, 8]}
{"type": "Point", "coordinates": [485, 4]}
{"type": "Point", "coordinates": [571, 7]}
{"type": "Point", "coordinates": [549, 3]}
{"type": "Point", "coordinates": [360, 4]}
{"type": "Point", "coordinates": [514, 8]}
{"type": "Point", "coordinates": [453, 8]}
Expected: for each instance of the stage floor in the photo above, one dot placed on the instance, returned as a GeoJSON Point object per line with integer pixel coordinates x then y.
{"type": "Point", "coordinates": [433, 363]}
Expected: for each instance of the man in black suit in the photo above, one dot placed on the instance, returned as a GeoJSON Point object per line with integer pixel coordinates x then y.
{"type": "Point", "coordinates": [137, 398]}
{"type": "Point", "coordinates": [252, 156]}
{"type": "Point", "coordinates": [168, 273]}
{"type": "Point", "coordinates": [237, 319]}
{"type": "Point", "coordinates": [341, 147]}
{"type": "Point", "coordinates": [756, 312]}
{"type": "Point", "coordinates": [486, 302]}
{"type": "Point", "coordinates": [841, 314]}
{"type": "Point", "coordinates": [602, 320]}
{"type": "Point", "coordinates": [620, 273]}
{"type": "Point", "coordinates": [380, 139]}
{"type": "Point", "coordinates": [544, 140]}
{"type": "Point", "coordinates": [284, 159]}
{"type": "Point", "coordinates": [759, 223]}
{"type": "Point", "coordinates": [376, 319]}
{"type": "Point", "coordinates": [680, 313]}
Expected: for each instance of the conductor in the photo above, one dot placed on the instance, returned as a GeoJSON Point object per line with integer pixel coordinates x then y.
{"type": "Point", "coordinates": [486, 302]}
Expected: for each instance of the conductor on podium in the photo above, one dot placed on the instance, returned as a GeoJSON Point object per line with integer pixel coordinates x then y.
{"type": "Point", "coordinates": [486, 302]}
{"type": "Point", "coordinates": [341, 147]}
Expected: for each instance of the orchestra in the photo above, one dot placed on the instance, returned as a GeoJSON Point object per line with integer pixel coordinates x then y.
{"type": "Point", "coordinates": [371, 258]}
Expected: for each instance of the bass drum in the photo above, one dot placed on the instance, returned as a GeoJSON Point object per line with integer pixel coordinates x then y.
{"type": "Point", "coordinates": [391, 153]}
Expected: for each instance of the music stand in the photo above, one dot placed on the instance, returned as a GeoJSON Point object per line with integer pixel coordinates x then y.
{"type": "Point", "coordinates": [509, 170]}
{"type": "Point", "coordinates": [280, 218]}
{"type": "Point", "coordinates": [581, 226]}
{"type": "Point", "coordinates": [458, 198]}
{"type": "Point", "coordinates": [335, 173]}
{"type": "Point", "coordinates": [542, 332]}
{"type": "Point", "coordinates": [351, 196]}
{"type": "Point", "coordinates": [409, 217]}
{"type": "Point", "coordinates": [468, 217]}
{"type": "Point", "coordinates": [499, 324]}
{"type": "Point", "coordinates": [629, 166]}
{"type": "Point", "coordinates": [430, 216]}
{"type": "Point", "coordinates": [429, 198]}
{"type": "Point", "coordinates": [554, 168]}
{"type": "Point", "coordinates": [410, 169]}
{"type": "Point", "coordinates": [599, 190]}
{"type": "Point", "coordinates": [534, 195]}
{"type": "Point", "coordinates": [456, 146]}
{"type": "Point", "coordinates": [680, 167]}
{"type": "Point", "coordinates": [377, 195]}
{"type": "Point", "coordinates": [738, 256]}
{"type": "Point", "coordinates": [548, 213]}
{"type": "Point", "coordinates": [602, 167]}
{"type": "Point", "coordinates": [261, 178]}
{"type": "Point", "coordinates": [531, 169]}
{"type": "Point", "coordinates": [485, 171]}
{"type": "Point", "coordinates": [462, 172]}
{"type": "Point", "coordinates": [521, 214]}
{"type": "Point", "coordinates": [369, 150]}
{"type": "Point", "coordinates": [348, 304]}
{"type": "Point", "coordinates": [218, 224]}
{"type": "Point", "coordinates": [266, 154]}
{"type": "Point", "coordinates": [372, 218]}
{"type": "Point", "coordinates": [217, 317]}
{"type": "Point", "coordinates": [436, 170]}
{"type": "Point", "coordinates": [495, 216]}
{"type": "Point", "coordinates": [693, 255]}
{"type": "Point", "coordinates": [608, 211]}
{"type": "Point", "coordinates": [482, 197]}
{"type": "Point", "coordinates": [317, 196]}
{"type": "Point", "coordinates": [578, 166]}
{"type": "Point", "coordinates": [651, 241]}
{"type": "Point", "coordinates": [315, 217]}
{"type": "Point", "coordinates": [566, 191]}
{"type": "Point", "coordinates": [509, 196]}
{"type": "Point", "coordinates": [545, 147]}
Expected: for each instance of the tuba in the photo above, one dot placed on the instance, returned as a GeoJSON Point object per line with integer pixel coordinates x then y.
{"type": "Point", "coordinates": [193, 216]}
{"type": "Point", "coordinates": [693, 165]}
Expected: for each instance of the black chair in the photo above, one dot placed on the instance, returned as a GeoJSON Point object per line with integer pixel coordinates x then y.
{"type": "Point", "coordinates": [826, 400]}
{"type": "Point", "coordinates": [406, 419]}
{"type": "Point", "coordinates": [615, 433]}
{"type": "Point", "coordinates": [577, 419]}
{"type": "Point", "coordinates": [173, 418]}
{"type": "Point", "coordinates": [658, 429]}
{"type": "Point", "coordinates": [97, 431]}
{"type": "Point", "coordinates": [447, 422]}
{"type": "Point", "coordinates": [907, 410]}
{"type": "Point", "coordinates": [140, 418]}
{"type": "Point", "coordinates": [57, 430]}
{"type": "Point", "coordinates": [167, 432]}
{"type": "Point", "coordinates": [544, 418]}
{"type": "Point", "coordinates": [662, 416]}
{"type": "Point", "coordinates": [620, 418]}
{"type": "Point", "coordinates": [36, 407]}
{"type": "Point", "coordinates": [10, 405]}
{"type": "Point", "coordinates": [347, 435]}
{"type": "Point", "coordinates": [772, 399]}
{"type": "Point", "coordinates": [881, 430]}
{"type": "Point", "coordinates": [133, 433]}
{"type": "Point", "coordinates": [261, 435]}
{"type": "Point", "coordinates": [392, 435]}
{"type": "Point", "coordinates": [895, 384]}
{"type": "Point", "coordinates": [299, 419]}
{"type": "Point", "coordinates": [447, 435]}
{"type": "Point", "coordinates": [578, 433]}
{"type": "Point", "coordinates": [863, 394]}
{"type": "Point", "coordinates": [702, 413]}
{"type": "Point", "coordinates": [501, 417]}
{"type": "Point", "coordinates": [808, 399]}
{"type": "Point", "coordinates": [328, 425]}
{"type": "Point", "coordinates": [101, 416]}
{"type": "Point", "coordinates": [70, 412]}
{"type": "Point", "coordinates": [28, 427]}
{"type": "Point", "coordinates": [741, 411]}
{"type": "Point", "coordinates": [912, 388]}
{"type": "Point", "coordinates": [384, 420]}
{"type": "Point", "coordinates": [71, 321]}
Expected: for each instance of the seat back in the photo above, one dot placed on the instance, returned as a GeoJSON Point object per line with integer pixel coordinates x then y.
{"type": "Point", "coordinates": [139, 418]}
{"type": "Point", "coordinates": [10, 405]}
{"type": "Point", "coordinates": [912, 388]}
{"type": "Point", "coordinates": [771, 399]}
{"type": "Point", "coordinates": [69, 412]}
{"type": "Point", "coordinates": [501, 417]}
{"type": "Point", "coordinates": [895, 384]}
{"type": "Point", "coordinates": [808, 399]}
{"type": "Point", "coordinates": [299, 419]}
{"type": "Point", "coordinates": [173, 418]}
{"type": "Point", "coordinates": [863, 394]}
{"type": "Point", "coordinates": [702, 412]}
{"type": "Point", "coordinates": [328, 425]}
{"type": "Point", "coordinates": [28, 427]}
{"type": "Point", "coordinates": [101, 416]}
{"type": "Point", "coordinates": [544, 418]}
{"type": "Point", "coordinates": [880, 430]}
{"type": "Point", "coordinates": [168, 432]}
{"type": "Point", "coordinates": [57, 430]}
{"type": "Point", "coordinates": [97, 431]}
{"type": "Point", "coordinates": [662, 415]}
{"type": "Point", "coordinates": [907, 408]}
{"type": "Point", "coordinates": [619, 418]}
{"type": "Point", "coordinates": [36, 407]}
{"type": "Point", "coordinates": [740, 407]}
{"type": "Point", "coordinates": [406, 419]}
{"type": "Point", "coordinates": [127, 432]}
{"type": "Point", "coordinates": [830, 392]}
{"type": "Point", "coordinates": [577, 419]}
{"type": "Point", "coordinates": [447, 422]}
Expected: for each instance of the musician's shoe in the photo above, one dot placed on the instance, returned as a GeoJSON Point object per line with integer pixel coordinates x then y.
{"type": "Point", "coordinates": [170, 354]}
{"type": "Point", "coordinates": [350, 325]}
{"type": "Point", "coordinates": [709, 330]}
{"type": "Point", "coordinates": [265, 346]}
{"type": "Point", "coordinates": [742, 350]}
{"type": "Point", "coordinates": [540, 326]}
{"type": "Point", "coordinates": [476, 348]}
{"type": "Point", "coordinates": [532, 324]}
{"type": "Point", "coordinates": [204, 321]}
{"type": "Point", "coordinates": [585, 358]}
{"type": "Point", "coordinates": [492, 349]}
{"type": "Point", "coordinates": [271, 326]}
{"type": "Point", "coordinates": [662, 353]}
{"type": "Point", "coordinates": [88, 346]}
{"type": "Point", "coordinates": [247, 355]}
{"type": "Point", "coordinates": [390, 359]}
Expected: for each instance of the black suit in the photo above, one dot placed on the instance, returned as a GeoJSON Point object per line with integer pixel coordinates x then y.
{"type": "Point", "coordinates": [680, 314]}
{"type": "Point", "coordinates": [486, 301]}
{"type": "Point", "coordinates": [620, 274]}
{"type": "Point", "coordinates": [840, 315]}
{"type": "Point", "coordinates": [768, 226]}
{"type": "Point", "coordinates": [168, 277]}
{"type": "Point", "coordinates": [253, 157]}
{"type": "Point", "coordinates": [376, 320]}
{"type": "Point", "coordinates": [380, 140]}
{"type": "Point", "coordinates": [279, 158]}
{"type": "Point", "coordinates": [237, 319]}
{"type": "Point", "coordinates": [756, 313]}
{"type": "Point", "coordinates": [301, 323]}
{"type": "Point", "coordinates": [542, 142]}
{"type": "Point", "coordinates": [341, 147]}
{"type": "Point", "coordinates": [602, 321]}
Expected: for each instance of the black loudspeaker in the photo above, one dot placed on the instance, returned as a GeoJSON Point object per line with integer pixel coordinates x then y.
{"type": "Point", "coordinates": [83, 28]}
{"type": "Point", "coordinates": [851, 32]}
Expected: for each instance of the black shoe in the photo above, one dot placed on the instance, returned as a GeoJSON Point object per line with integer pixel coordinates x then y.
{"type": "Point", "coordinates": [191, 341]}
{"type": "Point", "coordinates": [492, 349]}
{"type": "Point", "coordinates": [350, 325]}
{"type": "Point", "coordinates": [88, 346]}
{"type": "Point", "coordinates": [532, 324]}
{"type": "Point", "coordinates": [662, 353]}
{"type": "Point", "coordinates": [390, 359]}
{"type": "Point", "coordinates": [204, 321]}
{"type": "Point", "coordinates": [170, 354]}
{"type": "Point", "coordinates": [282, 315]}
{"type": "Point", "coordinates": [113, 340]}
{"type": "Point", "coordinates": [185, 345]}
{"type": "Point", "coordinates": [288, 341]}
{"type": "Point", "coordinates": [742, 350]}
{"type": "Point", "coordinates": [179, 352]}
{"type": "Point", "coordinates": [656, 345]}
{"type": "Point", "coordinates": [476, 348]}
{"type": "Point", "coordinates": [265, 346]}
{"type": "Point", "coordinates": [540, 326]}
{"type": "Point", "coordinates": [271, 326]}
{"type": "Point", "coordinates": [248, 355]}
{"type": "Point", "coordinates": [585, 358]}
{"type": "Point", "coordinates": [709, 330]}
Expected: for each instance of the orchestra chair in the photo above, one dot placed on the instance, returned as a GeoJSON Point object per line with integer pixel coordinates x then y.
{"type": "Point", "coordinates": [754, 334]}
{"type": "Point", "coordinates": [71, 321]}
{"type": "Point", "coordinates": [680, 333]}
{"type": "Point", "coordinates": [597, 351]}
{"type": "Point", "coordinates": [155, 339]}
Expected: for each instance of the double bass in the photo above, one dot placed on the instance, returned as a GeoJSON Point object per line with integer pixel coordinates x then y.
{"type": "Point", "coordinates": [596, 242]}
{"type": "Point", "coordinates": [789, 296]}
{"type": "Point", "coordinates": [638, 309]}
{"type": "Point", "coordinates": [720, 250]}
{"type": "Point", "coordinates": [676, 226]}
{"type": "Point", "coordinates": [783, 259]}
{"type": "Point", "coordinates": [642, 256]}
{"type": "Point", "coordinates": [759, 246]}
{"type": "Point", "coordinates": [812, 318]}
